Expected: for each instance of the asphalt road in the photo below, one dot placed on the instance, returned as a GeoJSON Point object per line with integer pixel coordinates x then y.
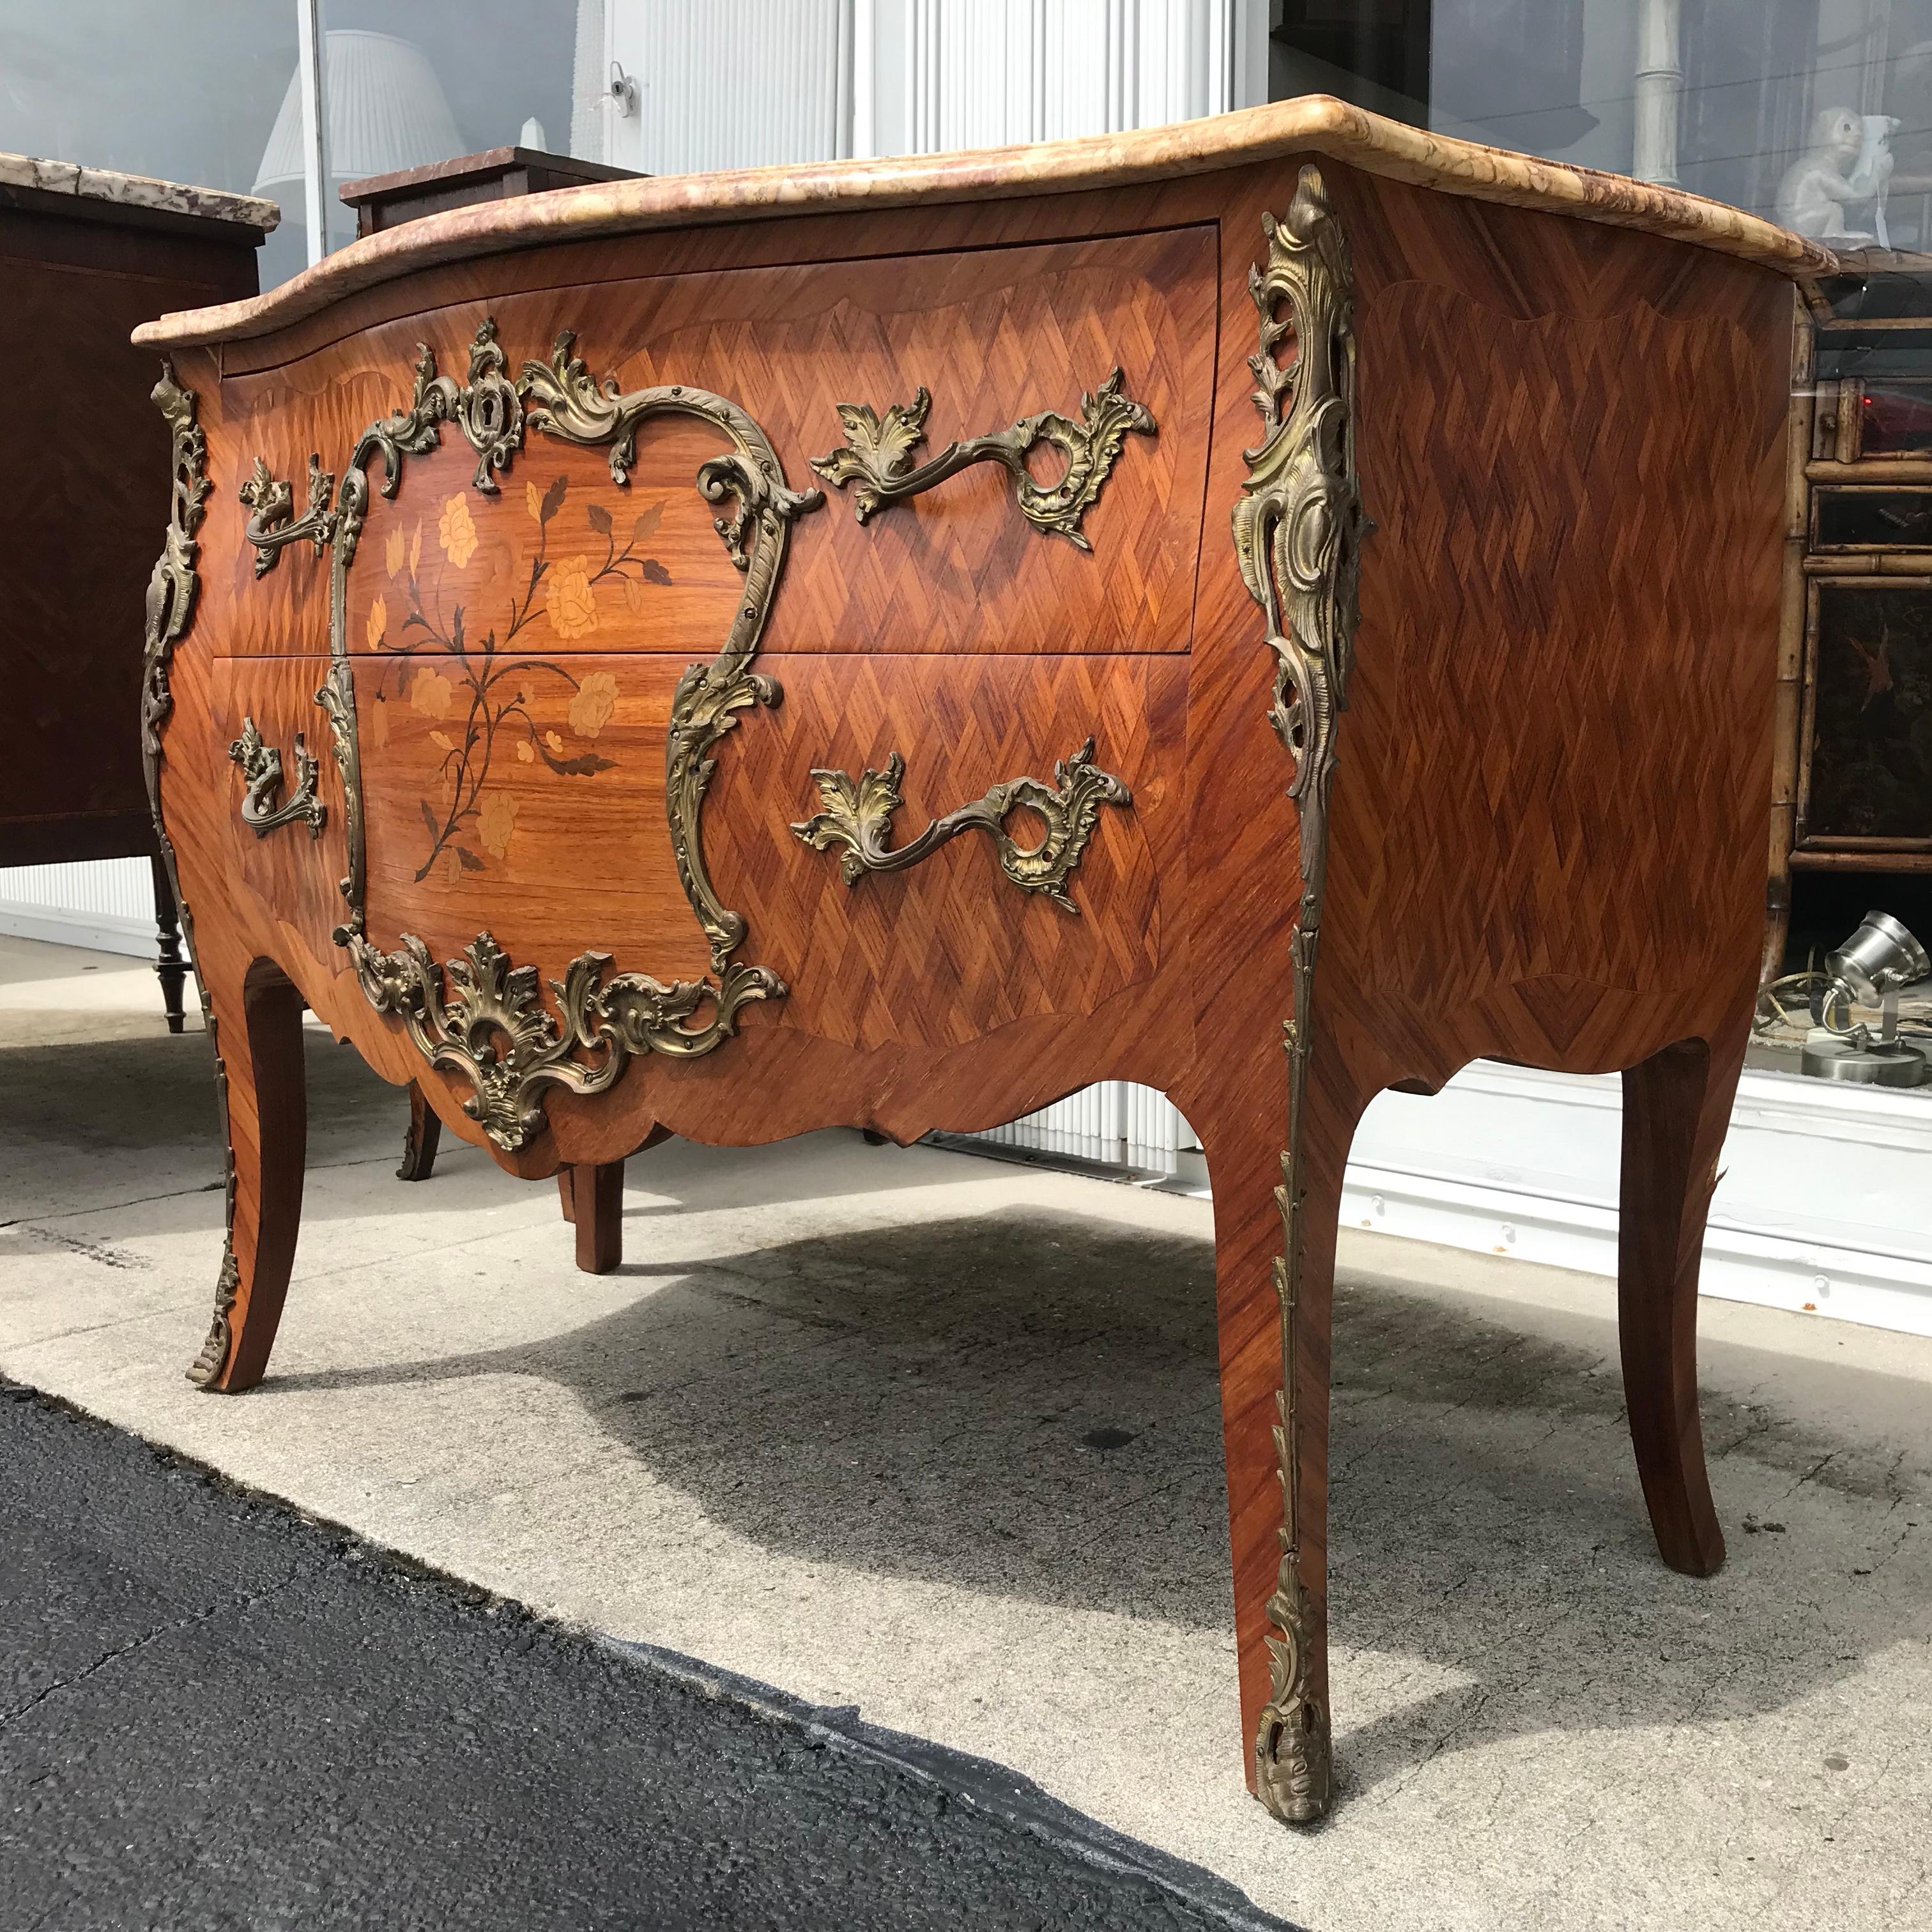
{"type": "Point", "coordinates": [214, 1712]}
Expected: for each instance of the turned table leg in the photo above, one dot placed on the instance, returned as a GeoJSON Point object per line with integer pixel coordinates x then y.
{"type": "Point", "coordinates": [255, 1017]}
{"type": "Point", "coordinates": [170, 968]}
{"type": "Point", "coordinates": [1677, 1105]}
{"type": "Point", "coordinates": [421, 1138]}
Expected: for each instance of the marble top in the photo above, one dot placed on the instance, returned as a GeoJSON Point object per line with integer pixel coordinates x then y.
{"type": "Point", "coordinates": [1315, 124]}
{"type": "Point", "coordinates": [135, 190]}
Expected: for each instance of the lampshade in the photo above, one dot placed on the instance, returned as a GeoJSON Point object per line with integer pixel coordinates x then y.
{"type": "Point", "coordinates": [386, 111]}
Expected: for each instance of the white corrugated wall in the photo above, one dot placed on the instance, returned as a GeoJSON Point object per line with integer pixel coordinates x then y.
{"type": "Point", "coordinates": [1118, 1122]}
{"type": "Point", "coordinates": [799, 80]}
{"type": "Point", "coordinates": [756, 82]}
{"type": "Point", "coordinates": [107, 904]}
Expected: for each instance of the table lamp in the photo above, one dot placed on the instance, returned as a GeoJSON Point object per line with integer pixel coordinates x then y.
{"type": "Point", "coordinates": [1880, 959]}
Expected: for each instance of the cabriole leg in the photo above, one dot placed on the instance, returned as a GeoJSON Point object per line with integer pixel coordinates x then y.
{"type": "Point", "coordinates": [256, 1017]}
{"type": "Point", "coordinates": [1677, 1106]}
{"type": "Point", "coordinates": [424, 1135]}
{"type": "Point", "coordinates": [1274, 1327]}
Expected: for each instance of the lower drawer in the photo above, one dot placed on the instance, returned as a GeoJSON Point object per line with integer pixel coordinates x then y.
{"type": "Point", "coordinates": [542, 799]}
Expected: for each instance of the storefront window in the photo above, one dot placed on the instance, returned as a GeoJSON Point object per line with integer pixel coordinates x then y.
{"type": "Point", "coordinates": [1815, 113]}
{"type": "Point", "coordinates": [409, 86]}
{"type": "Point", "coordinates": [186, 93]}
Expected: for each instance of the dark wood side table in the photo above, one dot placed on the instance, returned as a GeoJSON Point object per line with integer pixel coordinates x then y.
{"type": "Point", "coordinates": [87, 254]}
{"type": "Point", "coordinates": [497, 174]}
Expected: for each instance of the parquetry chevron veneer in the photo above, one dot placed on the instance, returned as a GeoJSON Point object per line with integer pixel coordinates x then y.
{"type": "Point", "coordinates": [879, 644]}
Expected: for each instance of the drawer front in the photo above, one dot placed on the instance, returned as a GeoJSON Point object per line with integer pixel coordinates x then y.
{"type": "Point", "coordinates": [1076, 533]}
{"type": "Point", "coordinates": [538, 811]}
{"type": "Point", "coordinates": [529, 799]}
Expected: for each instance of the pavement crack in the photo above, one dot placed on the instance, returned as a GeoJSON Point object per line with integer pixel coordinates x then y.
{"type": "Point", "coordinates": [100, 1207]}
{"type": "Point", "coordinates": [234, 1603]}
{"type": "Point", "coordinates": [1878, 1563]}
{"type": "Point", "coordinates": [1811, 1474]}
{"type": "Point", "coordinates": [1102, 1525]}
{"type": "Point", "coordinates": [1473, 1709]}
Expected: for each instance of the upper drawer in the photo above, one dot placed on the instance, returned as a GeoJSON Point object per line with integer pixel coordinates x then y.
{"type": "Point", "coordinates": [566, 555]}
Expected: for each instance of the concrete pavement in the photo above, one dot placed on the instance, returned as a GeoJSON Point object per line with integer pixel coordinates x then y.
{"type": "Point", "coordinates": [937, 1436]}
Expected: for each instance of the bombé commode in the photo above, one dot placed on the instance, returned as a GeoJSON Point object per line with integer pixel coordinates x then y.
{"type": "Point", "coordinates": [1274, 608]}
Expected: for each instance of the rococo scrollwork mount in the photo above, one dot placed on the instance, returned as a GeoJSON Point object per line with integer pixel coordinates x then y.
{"type": "Point", "coordinates": [878, 456]}
{"type": "Point", "coordinates": [263, 808]}
{"type": "Point", "coordinates": [857, 815]}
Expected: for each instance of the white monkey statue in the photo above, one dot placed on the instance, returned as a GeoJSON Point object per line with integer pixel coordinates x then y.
{"type": "Point", "coordinates": [1849, 159]}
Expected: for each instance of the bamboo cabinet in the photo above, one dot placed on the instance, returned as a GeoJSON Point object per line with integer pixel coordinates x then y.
{"type": "Point", "coordinates": [1853, 783]}
{"type": "Point", "coordinates": [1274, 608]}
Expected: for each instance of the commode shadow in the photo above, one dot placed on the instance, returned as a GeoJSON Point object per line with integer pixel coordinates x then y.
{"type": "Point", "coordinates": [1025, 1404]}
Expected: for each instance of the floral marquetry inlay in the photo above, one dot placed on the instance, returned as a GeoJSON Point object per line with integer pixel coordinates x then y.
{"type": "Point", "coordinates": [460, 623]}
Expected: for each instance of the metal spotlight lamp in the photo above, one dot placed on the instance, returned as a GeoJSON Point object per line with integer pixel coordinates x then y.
{"type": "Point", "coordinates": [1871, 967]}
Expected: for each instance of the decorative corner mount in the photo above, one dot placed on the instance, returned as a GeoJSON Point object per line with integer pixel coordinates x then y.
{"type": "Point", "coordinates": [1298, 524]}
{"type": "Point", "coordinates": [220, 1339]}
{"type": "Point", "coordinates": [1298, 529]}
{"type": "Point", "coordinates": [857, 814]}
{"type": "Point", "coordinates": [172, 589]}
{"type": "Point", "coordinates": [878, 456]}
{"type": "Point", "coordinates": [261, 769]}
{"type": "Point", "coordinates": [174, 583]}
